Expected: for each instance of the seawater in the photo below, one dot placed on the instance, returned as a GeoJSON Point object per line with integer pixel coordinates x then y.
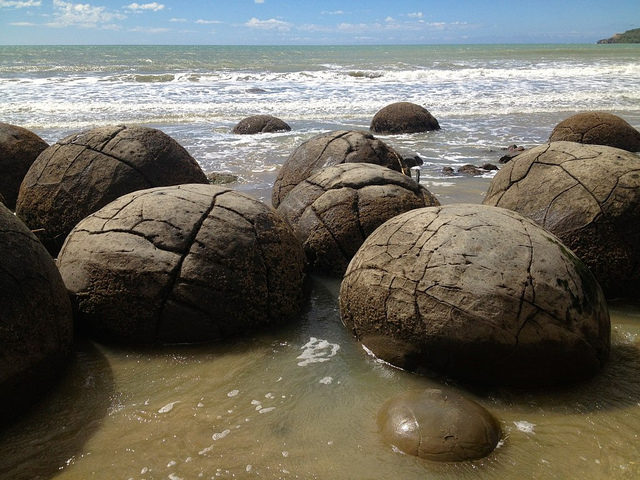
{"type": "Point", "coordinates": [301, 401]}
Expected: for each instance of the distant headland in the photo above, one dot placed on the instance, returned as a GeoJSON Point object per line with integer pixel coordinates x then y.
{"type": "Point", "coordinates": [630, 36]}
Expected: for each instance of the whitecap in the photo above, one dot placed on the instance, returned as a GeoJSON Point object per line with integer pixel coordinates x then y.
{"type": "Point", "coordinates": [168, 407]}
{"type": "Point", "coordinates": [525, 426]}
{"type": "Point", "coordinates": [317, 351]}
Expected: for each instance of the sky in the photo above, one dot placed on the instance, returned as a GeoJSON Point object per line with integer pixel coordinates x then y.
{"type": "Point", "coordinates": [282, 22]}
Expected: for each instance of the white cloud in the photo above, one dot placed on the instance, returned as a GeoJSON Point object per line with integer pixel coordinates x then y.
{"type": "Point", "coordinates": [82, 15]}
{"type": "Point", "coordinates": [200, 21]}
{"type": "Point", "coordinates": [270, 24]}
{"type": "Point", "coordinates": [149, 29]}
{"type": "Point", "coordinates": [155, 6]}
{"type": "Point", "coordinates": [388, 19]}
{"type": "Point", "coordinates": [178, 20]}
{"type": "Point", "coordinates": [259, 1]}
{"type": "Point", "coordinates": [332, 12]}
{"type": "Point", "coordinates": [414, 15]}
{"type": "Point", "coordinates": [22, 24]}
{"type": "Point", "coordinates": [23, 4]}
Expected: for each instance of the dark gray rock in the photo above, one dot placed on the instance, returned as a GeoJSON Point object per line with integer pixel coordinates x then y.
{"type": "Point", "coordinates": [333, 148]}
{"type": "Point", "coordinates": [83, 172]}
{"type": "Point", "coordinates": [479, 293]}
{"type": "Point", "coordinates": [260, 124]}
{"type": "Point", "coordinates": [188, 263]}
{"type": "Point", "coordinates": [217, 178]}
{"type": "Point", "coordinates": [597, 128]}
{"type": "Point", "coordinates": [335, 209]}
{"type": "Point", "coordinates": [470, 170]}
{"type": "Point", "coordinates": [19, 148]}
{"type": "Point", "coordinates": [403, 117]}
{"type": "Point", "coordinates": [489, 167]}
{"type": "Point", "coordinates": [448, 171]}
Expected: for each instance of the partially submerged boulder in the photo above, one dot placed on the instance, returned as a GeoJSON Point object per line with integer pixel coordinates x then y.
{"type": "Point", "coordinates": [83, 172]}
{"type": "Point", "coordinates": [260, 124]}
{"type": "Point", "coordinates": [36, 326]}
{"type": "Point", "coordinates": [188, 263]}
{"type": "Point", "coordinates": [335, 209]}
{"type": "Point", "coordinates": [19, 148]}
{"type": "Point", "coordinates": [597, 128]}
{"type": "Point", "coordinates": [333, 148]}
{"type": "Point", "coordinates": [403, 117]}
{"type": "Point", "coordinates": [480, 293]}
{"type": "Point", "coordinates": [437, 425]}
{"type": "Point", "coordinates": [587, 195]}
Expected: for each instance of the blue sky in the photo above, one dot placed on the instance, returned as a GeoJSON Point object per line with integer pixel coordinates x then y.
{"type": "Point", "coordinates": [317, 22]}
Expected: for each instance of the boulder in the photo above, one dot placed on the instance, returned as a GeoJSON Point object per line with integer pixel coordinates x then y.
{"type": "Point", "coordinates": [512, 152]}
{"type": "Point", "coordinates": [19, 148]}
{"type": "Point", "coordinates": [260, 124]}
{"type": "Point", "coordinates": [333, 148]}
{"type": "Point", "coordinates": [83, 172]}
{"type": "Point", "coordinates": [187, 263]}
{"type": "Point", "coordinates": [336, 208]}
{"type": "Point", "coordinates": [588, 196]}
{"type": "Point", "coordinates": [470, 170]}
{"type": "Point", "coordinates": [219, 178]}
{"type": "Point", "coordinates": [479, 293]}
{"type": "Point", "coordinates": [597, 128]}
{"type": "Point", "coordinates": [403, 117]}
{"type": "Point", "coordinates": [36, 326]}
{"type": "Point", "coordinates": [437, 425]}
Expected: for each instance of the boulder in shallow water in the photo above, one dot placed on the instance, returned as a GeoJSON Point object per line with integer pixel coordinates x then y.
{"type": "Point", "coordinates": [597, 128]}
{"type": "Point", "coordinates": [336, 208]}
{"type": "Point", "coordinates": [19, 148]}
{"type": "Point", "coordinates": [36, 326]}
{"type": "Point", "coordinates": [260, 124]}
{"type": "Point", "coordinates": [587, 195]}
{"type": "Point", "coordinates": [403, 117]}
{"type": "Point", "coordinates": [333, 148]}
{"type": "Point", "coordinates": [437, 425]}
{"type": "Point", "coordinates": [83, 172]}
{"type": "Point", "coordinates": [188, 263]}
{"type": "Point", "coordinates": [480, 293]}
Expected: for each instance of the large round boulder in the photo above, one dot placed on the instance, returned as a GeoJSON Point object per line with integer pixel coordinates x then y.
{"type": "Point", "coordinates": [19, 148]}
{"type": "Point", "coordinates": [188, 263]}
{"type": "Point", "coordinates": [587, 195]}
{"type": "Point", "coordinates": [336, 208]}
{"type": "Point", "coordinates": [83, 172]}
{"type": "Point", "coordinates": [333, 148]}
{"type": "Point", "coordinates": [439, 426]}
{"type": "Point", "coordinates": [260, 124]}
{"type": "Point", "coordinates": [36, 326]}
{"type": "Point", "coordinates": [597, 128]}
{"type": "Point", "coordinates": [403, 117]}
{"type": "Point", "coordinates": [480, 293]}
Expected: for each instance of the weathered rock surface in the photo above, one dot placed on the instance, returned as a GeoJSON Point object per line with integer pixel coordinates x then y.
{"type": "Point", "coordinates": [479, 293]}
{"type": "Point", "coordinates": [83, 172]}
{"type": "Point", "coordinates": [19, 148]}
{"type": "Point", "coordinates": [512, 152]}
{"type": "Point", "coordinates": [335, 209]}
{"type": "Point", "coordinates": [187, 263]}
{"type": "Point", "coordinates": [260, 124]}
{"type": "Point", "coordinates": [439, 426]}
{"type": "Point", "coordinates": [36, 326]}
{"type": "Point", "coordinates": [218, 178]}
{"type": "Point", "coordinates": [597, 128]}
{"type": "Point", "coordinates": [333, 148]}
{"type": "Point", "coordinates": [403, 117]}
{"type": "Point", "coordinates": [587, 195]}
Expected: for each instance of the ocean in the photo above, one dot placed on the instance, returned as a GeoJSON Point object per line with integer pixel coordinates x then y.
{"type": "Point", "coordinates": [301, 402]}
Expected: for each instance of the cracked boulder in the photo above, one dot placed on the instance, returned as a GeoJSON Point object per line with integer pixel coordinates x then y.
{"type": "Point", "coordinates": [187, 263]}
{"type": "Point", "coordinates": [437, 425]}
{"type": "Point", "coordinates": [335, 209]}
{"type": "Point", "coordinates": [479, 293]}
{"type": "Point", "coordinates": [333, 148]}
{"type": "Point", "coordinates": [36, 326]}
{"type": "Point", "coordinates": [597, 128]}
{"type": "Point", "coordinates": [260, 124]}
{"type": "Point", "coordinates": [588, 196]}
{"type": "Point", "coordinates": [403, 117]}
{"type": "Point", "coordinates": [83, 172]}
{"type": "Point", "coordinates": [19, 148]}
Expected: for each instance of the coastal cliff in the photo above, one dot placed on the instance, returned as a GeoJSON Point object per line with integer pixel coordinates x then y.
{"type": "Point", "coordinates": [630, 36]}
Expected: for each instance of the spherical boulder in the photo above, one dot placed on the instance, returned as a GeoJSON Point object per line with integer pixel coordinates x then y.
{"type": "Point", "coordinates": [82, 173]}
{"type": "Point", "coordinates": [336, 208]}
{"type": "Point", "coordinates": [597, 128]}
{"type": "Point", "coordinates": [333, 148]}
{"type": "Point", "coordinates": [19, 148]}
{"type": "Point", "coordinates": [260, 124]}
{"type": "Point", "coordinates": [36, 325]}
{"type": "Point", "coordinates": [187, 263]}
{"type": "Point", "coordinates": [479, 293]}
{"type": "Point", "coordinates": [587, 195]}
{"type": "Point", "coordinates": [403, 117]}
{"type": "Point", "coordinates": [439, 426]}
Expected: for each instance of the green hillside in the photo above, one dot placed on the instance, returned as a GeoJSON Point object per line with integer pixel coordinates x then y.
{"type": "Point", "coordinates": [630, 36]}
